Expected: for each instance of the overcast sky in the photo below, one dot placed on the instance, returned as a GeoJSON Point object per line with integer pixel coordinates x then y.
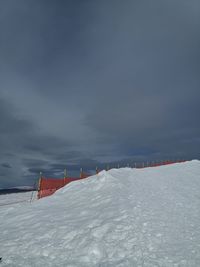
{"type": "Point", "coordinates": [91, 82]}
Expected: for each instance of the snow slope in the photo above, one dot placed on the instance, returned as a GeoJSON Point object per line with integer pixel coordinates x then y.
{"type": "Point", "coordinates": [17, 198]}
{"type": "Point", "coordinates": [123, 217]}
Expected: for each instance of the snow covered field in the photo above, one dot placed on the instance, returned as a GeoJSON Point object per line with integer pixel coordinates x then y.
{"type": "Point", "coordinates": [123, 217]}
{"type": "Point", "coordinates": [17, 199]}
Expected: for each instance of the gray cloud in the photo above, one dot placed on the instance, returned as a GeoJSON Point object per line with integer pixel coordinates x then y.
{"type": "Point", "coordinates": [6, 165]}
{"type": "Point", "coordinates": [83, 83]}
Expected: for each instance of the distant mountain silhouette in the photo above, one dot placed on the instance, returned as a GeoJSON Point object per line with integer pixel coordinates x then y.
{"type": "Point", "coordinates": [15, 190]}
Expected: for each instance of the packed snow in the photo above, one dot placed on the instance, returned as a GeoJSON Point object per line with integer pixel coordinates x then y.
{"type": "Point", "coordinates": [17, 199]}
{"type": "Point", "coordinates": [122, 217]}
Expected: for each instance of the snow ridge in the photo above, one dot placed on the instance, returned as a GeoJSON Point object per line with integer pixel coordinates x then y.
{"type": "Point", "coordinates": [123, 217]}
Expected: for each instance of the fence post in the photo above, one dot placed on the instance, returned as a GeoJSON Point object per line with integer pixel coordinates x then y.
{"type": "Point", "coordinates": [34, 187]}
{"type": "Point", "coordinates": [97, 171]}
{"type": "Point", "coordinates": [39, 185]}
{"type": "Point", "coordinates": [81, 173]}
{"type": "Point", "coordinates": [65, 176]}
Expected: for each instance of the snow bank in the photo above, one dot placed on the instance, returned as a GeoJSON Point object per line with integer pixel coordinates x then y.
{"type": "Point", "coordinates": [123, 217]}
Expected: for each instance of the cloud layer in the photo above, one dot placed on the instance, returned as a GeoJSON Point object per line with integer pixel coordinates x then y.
{"type": "Point", "coordinates": [83, 83]}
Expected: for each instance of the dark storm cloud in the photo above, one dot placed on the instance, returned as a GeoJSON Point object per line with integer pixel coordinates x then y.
{"type": "Point", "coordinates": [10, 123]}
{"type": "Point", "coordinates": [155, 93]}
{"type": "Point", "coordinates": [25, 148]}
{"type": "Point", "coordinates": [6, 165]}
{"type": "Point", "coordinates": [83, 83]}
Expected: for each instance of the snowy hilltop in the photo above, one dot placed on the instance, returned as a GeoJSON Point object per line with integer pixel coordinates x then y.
{"type": "Point", "coordinates": [122, 217]}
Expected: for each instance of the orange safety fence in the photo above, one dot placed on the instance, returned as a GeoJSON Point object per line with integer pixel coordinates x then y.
{"type": "Point", "coordinates": [48, 186]}
{"type": "Point", "coordinates": [167, 162]}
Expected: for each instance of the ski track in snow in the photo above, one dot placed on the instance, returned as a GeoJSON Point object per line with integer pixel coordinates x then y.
{"type": "Point", "coordinates": [124, 217]}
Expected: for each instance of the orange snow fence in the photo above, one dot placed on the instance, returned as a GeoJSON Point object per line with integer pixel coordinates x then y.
{"type": "Point", "coordinates": [167, 162]}
{"type": "Point", "coordinates": [47, 186]}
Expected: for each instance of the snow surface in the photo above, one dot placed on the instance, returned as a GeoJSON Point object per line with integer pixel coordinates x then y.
{"type": "Point", "coordinates": [123, 217]}
{"type": "Point", "coordinates": [17, 198]}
